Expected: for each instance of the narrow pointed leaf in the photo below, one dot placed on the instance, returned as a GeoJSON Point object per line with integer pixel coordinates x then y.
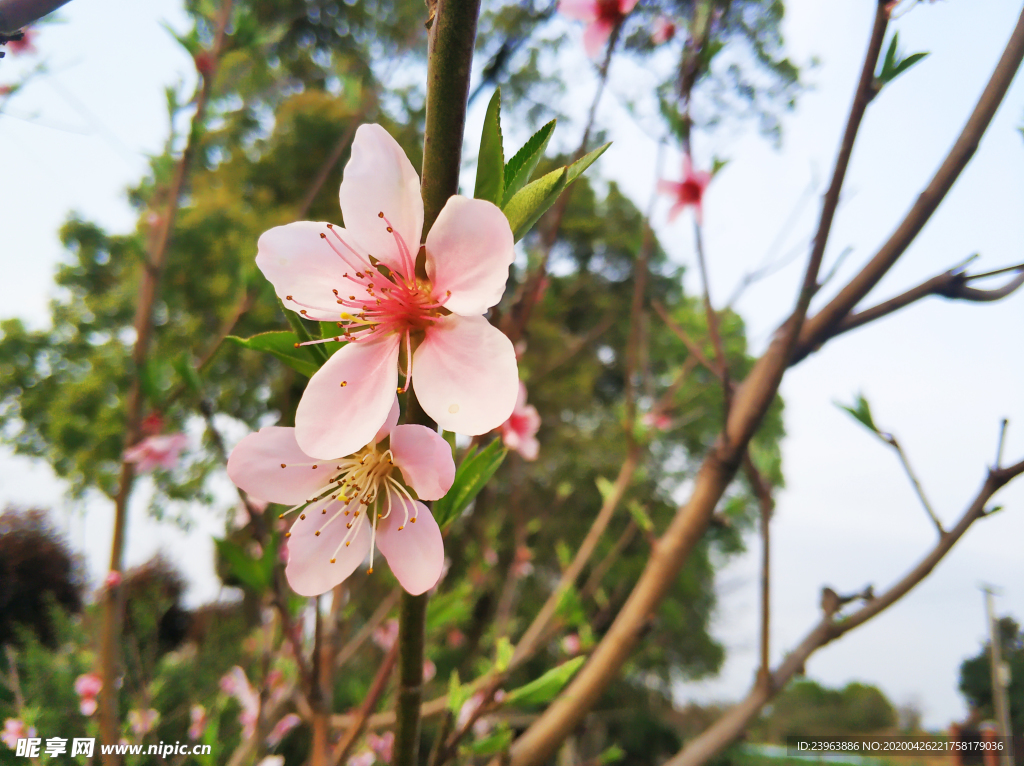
{"type": "Point", "coordinates": [545, 688]}
{"type": "Point", "coordinates": [906, 63]}
{"type": "Point", "coordinates": [520, 168]}
{"type": "Point", "coordinates": [470, 477]}
{"type": "Point", "coordinates": [490, 166]}
{"type": "Point", "coordinates": [281, 345]}
{"type": "Point", "coordinates": [576, 169]}
{"type": "Point", "coordinates": [532, 201]}
{"type": "Point", "coordinates": [861, 412]}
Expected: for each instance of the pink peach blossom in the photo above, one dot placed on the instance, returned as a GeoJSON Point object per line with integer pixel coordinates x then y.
{"type": "Point", "coordinates": [15, 729]}
{"type": "Point", "coordinates": [142, 721]}
{"type": "Point", "coordinates": [658, 420]}
{"type": "Point", "coordinates": [154, 451]}
{"type": "Point", "coordinates": [465, 369]}
{"type": "Point", "coordinates": [664, 30]}
{"type": "Point", "coordinates": [689, 192]}
{"type": "Point", "coordinates": [197, 725]}
{"type": "Point", "coordinates": [385, 635]}
{"type": "Point", "coordinates": [113, 579]}
{"type": "Point", "coordinates": [87, 687]}
{"type": "Point", "coordinates": [281, 729]}
{"type": "Point", "coordinates": [236, 684]}
{"type": "Point", "coordinates": [24, 45]}
{"type": "Point", "coordinates": [519, 432]}
{"type": "Point", "coordinates": [327, 548]}
{"type": "Point", "coordinates": [383, 746]}
{"type": "Point", "coordinates": [600, 16]}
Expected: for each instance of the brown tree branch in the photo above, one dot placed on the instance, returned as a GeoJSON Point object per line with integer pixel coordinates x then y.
{"type": "Point", "coordinates": [149, 288]}
{"type": "Point", "coordinates": [727, 728]}
{"type": "Point", "coordinates": [823, 324]}
{"type": "Point", "coordinates": [951, 284]}
{"type": "Point", "coordinates": [360, 717]}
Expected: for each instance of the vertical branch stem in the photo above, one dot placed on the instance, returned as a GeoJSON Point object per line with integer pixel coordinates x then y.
{"type": "Point", "coordinates": [149, 288]}
{"type": "Point", "coordinates": [449, 62]}
{"type": "Point", "coordinates": [412, 624]}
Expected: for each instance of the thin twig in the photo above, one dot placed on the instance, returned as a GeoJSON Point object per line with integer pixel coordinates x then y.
{"type": "Point", "coordinates": [149, 288]}
{"type": "Point", "coordinates": [726, 729]}
{"type": "Point", "coordinates": [1002, 440]}
{"type": "Point", "coordinates": [891, 441]}
{"type": "Point", "coordinates": [373, 695]}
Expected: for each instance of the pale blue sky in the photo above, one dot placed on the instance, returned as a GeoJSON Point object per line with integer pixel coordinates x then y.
{"type": "Point", "coordinates": [939, 375]}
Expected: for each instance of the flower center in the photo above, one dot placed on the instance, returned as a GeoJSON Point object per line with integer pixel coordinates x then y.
{"type": "Point", "coordinates": [375, 301]}
{"type": "Point", "coordinates": [360, 488]}
{"type": "Point", "coordinates": [609, 10]}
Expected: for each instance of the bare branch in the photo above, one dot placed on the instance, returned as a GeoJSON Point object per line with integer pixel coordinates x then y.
{"type": "Point", "coordinates": [727, 728]}
{"type": "Point", "coordinates": [951, 284]}
{"type": "Point", "coordinates": [822, 325]}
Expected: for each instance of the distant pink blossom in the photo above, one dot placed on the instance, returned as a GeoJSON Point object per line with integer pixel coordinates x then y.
{"type": "Point", "coordinates": [235, 683]}
{"type": "Point", "coordinates": [600, 17]}
{"type": "Point", "coordinates": [571, 644]}
{"type": "Point", "coordinates": [197, 725]}
{"type": "Point", "coordinates": [113, 579]}
{"type": "Point", "coordinates": [142, 721]}
{"type": "Point", "coordinates": [357, 504]}
{"type": "Point", "coordinates": [482, 725]}
{"type": "Point", "coordinates": [383, 746]}
{"type": "Point", "coordinates": [15, 729]}
{"type": "Point", "coordinates": [87, 687]}
{"type": "Point", "coordinates": [658, 420]}
{"type": "Point", "coordinates": [364, 757]}
{"type": "Point", "coordinates": [429, 671]}
{"type": "Point", "coordinates": [272, 760]}
{"type": "Point", "coordinates": [465, 369]}
{"type": "Point", "coordinates": [156, 451]}
{"type": "Point", "coordinates": [689, 192]}
{"type": "Point", "coordinates": [281, 729]}
{"type": "Point", "coordinates": [385, 635]}
{"type": "Point", "coordinates": [456, 638]}
{"type": "Point", "coordinates": [24, 45]}
{"type": "Point", "coordinates": [664, 30]}
{"type": "Point", "coordinates": [519, 432]}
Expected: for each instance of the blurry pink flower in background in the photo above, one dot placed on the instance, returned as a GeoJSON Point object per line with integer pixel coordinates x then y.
{"type": "Point", "coordinates": [522, 566]}
{"type": "Point", "coordinates": [383, 746]}
{"type": "Point", "coordinates": [15, 729]}
{"type": "Point", "coordinates": [664, 30]}
{"type": "Point", "coordinates": [87, 686]}
{"type": "Point", "coordinates": [465, 369]}
{"type": "Point", "coordinates": [281, 729]}
{"type": "Point", "coordinates": [429, 671]}
{"type": "Point", "coordinates": [113, 579]}
{"type": "Point", "coordinates": [235, 684]}
{"type": "Point", "coordinates": [197, 716]}
{"type": "Point", "coordinates": [272, 760]}
{"type": "Point", "coordinates": [357, 504]}
{"type": "Point", "coordinates": [385, 635]}
{"type": "Point", "coordinates": [571, 644]}
{"type": "Point", "coordinates": [658, 420]}
{"type": "Point", "coordinates": [519, 432]}
{"type": "Point", "coordinates": [456, 638]}
{"type": "Point", "coordinates": [364, 757]}
{"type": "Point", "coordinates": [156, 451]}
{"type": "Point", "coordinates": [482, 725]}
{"type": "Point", "coordinates": [142, 721]}
{"type": "Point", "coordinates": [688, 192]}
{"type": "Point", "coordinates": [600, 16]}
{"type": "Point", "coordinates": [205, 62]}
{"type": "Point", "coordinates": [24, 45]}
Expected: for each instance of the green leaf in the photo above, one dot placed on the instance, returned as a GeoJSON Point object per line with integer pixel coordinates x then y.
{"type": "Point", "coordinates": [861, 412]}
{"type": "Point", "coordinates": [247, 570]}
{"type": "Point", "coordinates": [331, 330]}
{"type": "Point", "coordinates": [492, 744]}
{"type": "Point", "coordinates": [545, 688]}
{"type": "Point", "coordinates": [639, 514]}
{"type": "Point", "coordinates": [457, 693]}
{"type": "Point", "coordinates": [189, 375]}
{"type": "Point", "coordinates": [520, 168]}
{"type": "Point", "coordinates": [576, 169]}
{"type": "Point", "coordinates": [613, 754]}
{"type": "Point", "coordinates": [490, 166]}
{"type": "Point", "coordinates": [473, 473]}
{"type": "Point", "coordinates": [890, 57]}
{"type": "Point", "coordinates": [532, 201]}
{"type": "Point", "coordinates": [908, 62]}
{"type": "Point", "coordinates": [302, 332]}
{"type": "Point", "coordinates": [503, 654]}
{"type": "Point", "coordinates": [282, 345]}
